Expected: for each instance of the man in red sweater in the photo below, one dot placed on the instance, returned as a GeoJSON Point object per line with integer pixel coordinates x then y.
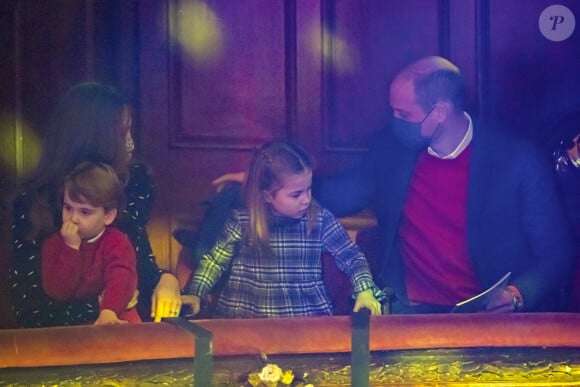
{"type": "Point", "coordinates": [459, 204]}
{"type": "Point", "coordinates": [89, 257]}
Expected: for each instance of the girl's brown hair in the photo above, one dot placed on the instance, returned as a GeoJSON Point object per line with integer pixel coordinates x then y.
{"type": "Point", "coordinates": [270, 164]}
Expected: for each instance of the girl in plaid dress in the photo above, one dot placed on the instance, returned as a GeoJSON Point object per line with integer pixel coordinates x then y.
{"type": "Point", "coordinates": [271, 250]}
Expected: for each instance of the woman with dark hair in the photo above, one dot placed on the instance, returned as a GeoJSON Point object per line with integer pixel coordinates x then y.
{"type": "Point", "coordinates": [92, 122]}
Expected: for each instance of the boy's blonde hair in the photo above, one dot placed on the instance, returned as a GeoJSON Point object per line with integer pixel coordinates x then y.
{"type": "Point", "coordinates": [96, 184]}
{"type": "Point", "coordinates": [271, 163]}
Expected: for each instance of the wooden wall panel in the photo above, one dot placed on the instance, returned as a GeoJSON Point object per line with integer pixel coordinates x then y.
{"type": "Point", "coordinates": [41, 31]}
{"type": "Point", "coordinates": [217, 75]}
{"type": "Point", "coordinates": [229, 80]}
{"type": "Point", "coordinates": [347, 53]}
{"type": "Point", "coordinates": [362, 46]}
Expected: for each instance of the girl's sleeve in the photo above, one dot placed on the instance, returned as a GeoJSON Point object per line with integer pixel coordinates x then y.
{"type": "Point", "coordinates": [217, 261]}
{"type": "Point", "coordinates": [347, 255]}
{"type": "Point", "coordinates": [30, 305]}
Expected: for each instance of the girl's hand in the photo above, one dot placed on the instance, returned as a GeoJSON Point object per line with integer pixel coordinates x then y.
{"type": "Point", "coordinates": [365, 299]}
{"type": "Point", "coordinates": [70, 233]}
{"type": "Point", "coordinates": [166, 300]}
{"type": "Point", "coordinates": [194, 301]}
{"type": "Point", "coordinates": [108, 317]}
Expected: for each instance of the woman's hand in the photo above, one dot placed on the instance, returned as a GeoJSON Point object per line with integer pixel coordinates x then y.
{"type": "Point", "coordinates": [365, 299]}
{"type": "Point", "coordinates": [108, 317]}
{"type": "Point", "coordinates": [166, 300]}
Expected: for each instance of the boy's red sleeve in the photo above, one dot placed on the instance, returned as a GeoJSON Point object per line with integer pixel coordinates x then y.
{"type": "Point", "coordinates": [120, 273]}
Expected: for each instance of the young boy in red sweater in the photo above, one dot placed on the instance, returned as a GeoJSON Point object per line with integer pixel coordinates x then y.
{"type": "Point", "coordinates": [89, 258]}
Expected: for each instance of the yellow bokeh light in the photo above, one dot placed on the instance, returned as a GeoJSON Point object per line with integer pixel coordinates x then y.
{"type": "Point", "coordinates": [335, 51]}
{"type": "Point", "coordinates": [199, 32]}
{"type": "Point", "coordinates": [21, 147]}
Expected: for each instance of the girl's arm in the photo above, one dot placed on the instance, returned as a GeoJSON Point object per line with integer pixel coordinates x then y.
{"type": "Point", "coordinates": [350, 259]}
{"type": "Point", "coordinates": [366, 299]}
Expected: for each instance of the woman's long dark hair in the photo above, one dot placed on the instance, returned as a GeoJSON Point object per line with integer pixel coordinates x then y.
{"type": "Point", "coordinates": [86, 126]}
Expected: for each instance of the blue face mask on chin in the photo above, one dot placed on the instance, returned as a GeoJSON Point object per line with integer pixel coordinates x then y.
{"type": "Point", "coordinates": [409, 133]}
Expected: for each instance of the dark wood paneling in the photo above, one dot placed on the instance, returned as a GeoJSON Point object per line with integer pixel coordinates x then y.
{"type": "Point", "coordinates": [463, 39]}
{"type": "Point", "coordinates": [51, 55]}
{"type": "Point", "coordinates": [229, 74]}
{"type": "Point", "coordinates": [362, 46]}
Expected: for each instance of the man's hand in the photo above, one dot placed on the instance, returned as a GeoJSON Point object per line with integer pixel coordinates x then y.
{"type": "Point", "coordinates": [365, 299]}
{"type": "Point", "coordinates": [236, 177]}
{"type": "Point", "coordinates": [166, 300]}
{"type": "Point", "coordinates": [503, 302]}
{"type": "Point", "coordinates": [108, 317]}
{"type": "Point", "coordinates": [70, 233]}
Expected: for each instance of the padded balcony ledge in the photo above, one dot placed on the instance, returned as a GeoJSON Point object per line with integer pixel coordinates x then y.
{"type": "Point", "coordinates": [120, 343]}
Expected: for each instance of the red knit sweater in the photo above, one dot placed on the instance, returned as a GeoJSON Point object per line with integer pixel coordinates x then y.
{"type": "Point", "coordinates": [105, 267]}
{"type": "Point", "coordinates": [433, 232]}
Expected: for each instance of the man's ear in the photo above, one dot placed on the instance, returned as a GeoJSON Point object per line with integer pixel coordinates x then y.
{"type": "Point", "coordinates": [110, 216]}
{"type": "Point", "coordinates": [441, 111]}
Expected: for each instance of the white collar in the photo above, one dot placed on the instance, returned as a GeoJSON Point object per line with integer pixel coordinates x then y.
{"type": "Point", "coordinates": [462, 144]}
{"type": "Point", "coordinates": [96, 237]}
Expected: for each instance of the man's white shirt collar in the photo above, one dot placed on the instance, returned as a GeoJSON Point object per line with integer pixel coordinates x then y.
{"type": "Point", "coordinates": [461, 146]}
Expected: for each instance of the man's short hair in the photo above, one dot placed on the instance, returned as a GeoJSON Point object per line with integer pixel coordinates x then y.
{"type": "Point", "coordinates": [440, 85]}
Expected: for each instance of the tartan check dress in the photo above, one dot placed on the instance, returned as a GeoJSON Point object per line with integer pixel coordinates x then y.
{"type": "Point", "coordinates": [290, 282]}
